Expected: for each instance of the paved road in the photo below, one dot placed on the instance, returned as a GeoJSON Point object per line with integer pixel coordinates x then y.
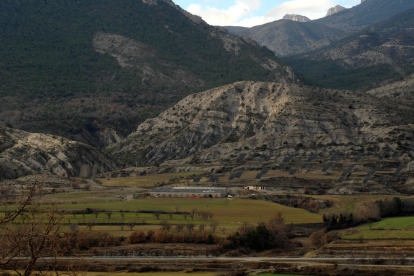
{"type": "Point", "coordinates": [239, 259]}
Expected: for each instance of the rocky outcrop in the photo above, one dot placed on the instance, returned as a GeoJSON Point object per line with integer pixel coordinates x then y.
{"type": "Point", "coordinates": [286, 37]}
{"type": "Point", "coordinates": [295, 17]}
{"type": "Point", "coordinates": [335, 9]}
{"type": "Point", "coordinates": [368, 13]}
{"type": "Point", "coordinates": [257, 119]}
{"type": "Point", "coordinates": [23, 153]}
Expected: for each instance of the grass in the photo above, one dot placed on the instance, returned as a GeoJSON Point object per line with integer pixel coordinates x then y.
{"type": "Point", "coordinates": [381, 234]}
{"type": "Point", "coordinates": [225, 210]}
{"type": "Point", "coordinates": [401, 223]}
{"type": "Point", "coordinates": [230, 214]}
{"type": "Point", "coordinates": [390, 228]}
{"type": "Point", "coordinates": [146, 180]}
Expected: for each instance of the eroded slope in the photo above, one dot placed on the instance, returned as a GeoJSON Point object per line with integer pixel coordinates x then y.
{"type": "Point", "coordinates": [266, 119]}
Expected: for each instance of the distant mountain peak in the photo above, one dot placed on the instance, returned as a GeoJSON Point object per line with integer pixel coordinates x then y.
{"type": "Point", "coordinates": [296, 17]}
{"type": "Point", "coordinates": [336, 9]}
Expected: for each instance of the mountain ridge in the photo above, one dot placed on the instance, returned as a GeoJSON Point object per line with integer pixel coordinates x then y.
{"type": "Point", "coordinates": [70, 66]}
{"type": "Point", "coordinates": [285, 37]}
{"type": "Point", "coordinates": [267, 119]}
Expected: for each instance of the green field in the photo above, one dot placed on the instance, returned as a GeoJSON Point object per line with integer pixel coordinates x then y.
{"type": "Point", "coordinates": [224, 210]}
{"type": "Point", "coordinates": [381, 235]}
{"type": "Point", "coordinates": [390, 228]}
{"type": "Point", "coordinates": [401, 223]}
{"type": "Point", "coordinates": [146, 180]}
{"type": "Point", "coordinates": [228, 213]}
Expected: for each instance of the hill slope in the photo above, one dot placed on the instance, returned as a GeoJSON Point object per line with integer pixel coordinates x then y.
{"type": "Point", "coordinates": [270, 119]}
{"type": "Point", "coordinates": [365, 14]}
{"type": "Point", "coordinates": [361, 60]}
{"type": "Point", "coordinates": [286, 37]}
{"type": "Point", "coordinates": [23, 153]}
{"type": "Point", "coordinates": [82, 69]}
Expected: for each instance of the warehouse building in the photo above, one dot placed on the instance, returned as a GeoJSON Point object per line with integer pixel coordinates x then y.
{"type": "Point", "coordinates": [205, 192]}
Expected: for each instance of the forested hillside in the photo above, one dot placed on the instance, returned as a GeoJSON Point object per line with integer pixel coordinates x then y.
{"type": "Point", "coordinates": [82, 69]}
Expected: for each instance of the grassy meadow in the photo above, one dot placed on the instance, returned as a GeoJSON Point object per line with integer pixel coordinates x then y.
{"type": "Point", "coordinates": [390, 228]}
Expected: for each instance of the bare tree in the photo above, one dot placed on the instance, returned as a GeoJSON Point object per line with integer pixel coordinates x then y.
{"type": "Point", "coordinates": [179, 227]}
{"type": "Point", "coordinates": [201, 227]}
{"type": "Point", "coordinates": [177, 208]}
{"type": "Point", "coordinates": [108, 214]}
{"type": "Point", "coordinates": [90, 224]}
{"type": "Point", "coordinates": [165, 225]}
{"type": "Point", "coordinates": [214, 226]}
{"type": "Point", "coordinates": [170, 215]}
{"type": "Point", "coordinates": [35, 237]}
{"type": "Point", "coordinates": [190, 227]}
{"type": "Point", "coordinates": [131, 225]}
{"type": "Point", "coordinates": [185, 216]}
{"type": "Point", "coordinates": [157, 214]}
{"type": "Point", "coordinates": [193, 212]}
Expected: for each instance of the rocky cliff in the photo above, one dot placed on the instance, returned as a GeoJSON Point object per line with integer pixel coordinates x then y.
{"type": "Point", "coordinates": [335, 9]}
{"type": "Point", "coordinates": [23, 153]}
{"type": "Point", "coordinates": [295, 17]}
{"type": "Point", "coordinates": [257, 120]}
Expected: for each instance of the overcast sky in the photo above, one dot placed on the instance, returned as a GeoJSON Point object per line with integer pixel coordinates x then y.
{"type": "Point", "coordinates": [248, 13]}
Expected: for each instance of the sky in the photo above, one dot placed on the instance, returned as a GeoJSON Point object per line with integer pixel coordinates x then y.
{"type": "Point", "coordinates": [248, 13]}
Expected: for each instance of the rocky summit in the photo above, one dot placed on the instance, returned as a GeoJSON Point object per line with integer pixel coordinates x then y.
{"type": "Point", "coordinates": [335, 9]}
{"type": "Point", "coordinates": [295, 17]}
{"type": "Point", "coordinates": [258, 120]}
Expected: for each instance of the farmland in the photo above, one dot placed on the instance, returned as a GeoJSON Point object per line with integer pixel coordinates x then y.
{"type": "Point", "coordinates": [227, 213]}
{"type": "Point", "coordinates": [146, 180]}
{"type": "Point", "coordinates": [390, 228]}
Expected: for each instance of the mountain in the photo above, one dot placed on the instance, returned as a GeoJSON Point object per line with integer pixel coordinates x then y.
{"type": "Point", "coordinates": [362, 60]}
{"type": "Point", "coordinates": [335, 9]}
{"type": "Point", "coordinates": [365, 14]}
{"type": "Point", "coordinates": [286, 37]}
{"type": "Point", "coordinates": [255, 120]}
{"type": "Point", "coordinates": [23, 153]}
{"type": "Point", "coordinates": [93, 70]}
{"type": "Point", "coordinates": [295, 17]}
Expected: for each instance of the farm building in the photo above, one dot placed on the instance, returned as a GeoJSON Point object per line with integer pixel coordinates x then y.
{"type": "Point", "coordinates": [254, 188]}
{"type": "Point", "coordinates": [211, 192]}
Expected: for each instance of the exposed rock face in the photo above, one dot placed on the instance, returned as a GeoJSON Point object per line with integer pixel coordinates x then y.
{"type": "Point", "coordinates": [335, 9]}
{"type": "Point", "coordinates": [295, 17]}
{"type": "Point", "coordinates": [22, 153]}
{"type": "Point", "coordinates": [286, 37]}
{"type": "Point", "coordinates": [270, 119]}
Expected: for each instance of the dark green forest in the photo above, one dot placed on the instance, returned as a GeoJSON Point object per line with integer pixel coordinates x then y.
{"type": "Point", "coordinates": [47, 55]}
